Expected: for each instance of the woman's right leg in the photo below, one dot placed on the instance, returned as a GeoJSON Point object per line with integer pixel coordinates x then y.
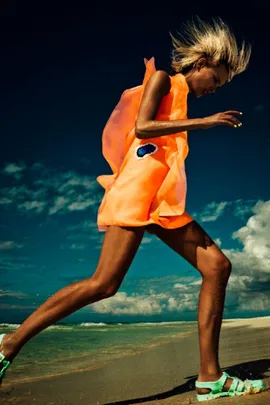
{"type": "Point", "coordinates": [118, 250]}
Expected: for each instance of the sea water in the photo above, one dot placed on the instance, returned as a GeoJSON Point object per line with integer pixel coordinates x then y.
{"type": "Point", "coordinates": [66, 348]}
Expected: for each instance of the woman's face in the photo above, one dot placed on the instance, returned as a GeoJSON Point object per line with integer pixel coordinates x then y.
{"type": "Point", "coordinates": [206, 78]}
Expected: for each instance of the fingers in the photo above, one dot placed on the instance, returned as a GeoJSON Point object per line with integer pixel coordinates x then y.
{"type": "Point", "coordinates": [227, 118]}
{"type": "Point", "coordinates": [233, 112]}
{"type": "Point", "coordinates": [234, 121]}
{"type": "Point", "coordinates": [231, 120]}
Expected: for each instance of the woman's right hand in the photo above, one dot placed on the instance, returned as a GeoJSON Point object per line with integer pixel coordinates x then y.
{"type": "Point", "coordinates": [223, 118]}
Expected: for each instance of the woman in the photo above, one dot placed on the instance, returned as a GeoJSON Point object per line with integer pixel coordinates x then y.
{"type": "Point", "coordinates": [145, 143]}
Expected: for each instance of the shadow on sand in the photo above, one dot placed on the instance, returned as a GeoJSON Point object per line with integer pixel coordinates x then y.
{"type": "Point", "coordinates": [252, 370]}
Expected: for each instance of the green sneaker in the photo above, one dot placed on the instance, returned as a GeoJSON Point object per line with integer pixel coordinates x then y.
{"type": "Point", "coordinates": [4, 363]}
{"type": "Point", "coordinates": [237, 388]}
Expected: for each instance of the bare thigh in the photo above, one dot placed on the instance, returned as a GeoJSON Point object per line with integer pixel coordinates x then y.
{"type": "Point", "coordinates": [119, 247]}
{"type": "Point", "coordinates": [194, 245]}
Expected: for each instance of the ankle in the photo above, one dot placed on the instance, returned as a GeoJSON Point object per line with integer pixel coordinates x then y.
{"type": "Point", "coordinates": [9, 346]}
{"type": "Point", "coordinates": [209, 375]}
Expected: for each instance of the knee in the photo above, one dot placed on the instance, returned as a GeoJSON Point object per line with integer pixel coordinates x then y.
{"type": "Point", "coordinates": [219, 269]}
{"type": "Point", "coordinates": [104, 289]}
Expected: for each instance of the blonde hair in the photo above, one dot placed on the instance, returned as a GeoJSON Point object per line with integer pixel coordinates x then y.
{"type": "Point", "coordinates": [214, 41]}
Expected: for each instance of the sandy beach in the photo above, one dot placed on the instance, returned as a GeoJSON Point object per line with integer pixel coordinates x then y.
{"type": "Point", "coordinates": [164, 374]}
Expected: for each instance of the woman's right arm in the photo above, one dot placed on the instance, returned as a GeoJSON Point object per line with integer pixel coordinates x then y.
{"type": "Point", "coordinates": [148, 127]}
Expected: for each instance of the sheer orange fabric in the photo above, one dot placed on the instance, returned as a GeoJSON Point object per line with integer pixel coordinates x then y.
{"type": "Point", "coordinates": [148, 183]}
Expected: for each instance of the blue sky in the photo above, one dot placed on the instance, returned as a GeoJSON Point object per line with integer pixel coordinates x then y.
{"type": "Point", "coordinates": [60, 80]}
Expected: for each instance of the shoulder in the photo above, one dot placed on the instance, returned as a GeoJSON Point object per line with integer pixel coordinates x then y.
{"type": "Point", "coordinates": [161, 75]}
{"type": "Point", "coordinates": [157, 86]}
{"type": "Point", "coordinates": [161, 78]}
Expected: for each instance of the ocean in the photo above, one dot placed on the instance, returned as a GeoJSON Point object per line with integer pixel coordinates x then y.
{"type": "Point", "coordinates": [62, 349]}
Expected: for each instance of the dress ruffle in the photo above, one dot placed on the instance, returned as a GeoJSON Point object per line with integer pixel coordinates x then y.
{"type": "Point", "coordinates": [153, 189]}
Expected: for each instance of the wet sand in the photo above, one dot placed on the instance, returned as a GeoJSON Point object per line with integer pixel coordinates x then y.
{"type": "Point", "coordinates": [162, 375]}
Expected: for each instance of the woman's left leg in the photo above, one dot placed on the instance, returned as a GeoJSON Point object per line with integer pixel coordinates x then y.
{"type": "Point", "coordinates": [194, 245]}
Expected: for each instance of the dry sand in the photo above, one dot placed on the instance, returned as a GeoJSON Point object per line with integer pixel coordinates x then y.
{"type": "Point", "coordinates": [163, 375]}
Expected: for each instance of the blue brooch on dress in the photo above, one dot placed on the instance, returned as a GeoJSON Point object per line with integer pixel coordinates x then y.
{"type": "Point", "coordinates": [145, 150]}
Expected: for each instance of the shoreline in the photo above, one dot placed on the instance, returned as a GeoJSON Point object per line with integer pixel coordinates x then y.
{"type": "Point", "coordinates": [51, 376]}
{"type": "Point", "coordinates": [101, 324]}
{"type": "Point", "coordinates": [165, 373]}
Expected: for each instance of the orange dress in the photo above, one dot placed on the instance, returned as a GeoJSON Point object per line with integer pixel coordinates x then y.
{"type": "Point", "coordinates": [148, 184]}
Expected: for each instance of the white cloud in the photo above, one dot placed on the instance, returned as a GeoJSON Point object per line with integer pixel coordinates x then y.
{"type": "Point", "coordinates": [84, 226]}
{"type": "Point", "coordinates": [81, 205]}
{"type": "Point", "coordinates": [177, 298]}
{"type": "Point", "coordinates": [159, 284]}
{"type": "Point", "coordinates": [14, 263]}
{"type": "Point", "coordinates": [181, 287]}
{"type": "Point", "coordinates": [214, 210]}
{"type": "Point", "coordinates": [24, 198]}
{"type": "Point", "coordinates": [217, 241]}
{"type": "Point", "coordinates": [66, 182]}
{"type": "Point", "coordinates": [14, 169]}
{"type": "Point", "coordinates": [250, 279]}
{"type": "Point", "coordinates": [241, 208]}
{"type": "Point", "coordinates": [254, 301]}
{"type": "Point", "coordinates": [146, 240]}
{"type": "Point", "coordinates": [4, 307]}
{"type": "Point", "coordinates": [121, 304]}
{"type": "Point", "coordinates": [38, 167]}
{"type": "Point", "coordinates": [75, 246]}
{"type": "Point", "coordinates": [15, 294]}
{"type": "Point", "coordinates": [170, 279]}
{"type": "Point", "coordinates": [73, 192]}
{"type": "Point", "coordinates": [72, 179]}
{"type": "Point", "coordinates": [37, 206]}
{"type": "Point", "coordinates": [239, 283]}
{"type": "Point", "coordinates": [5, 201]}
{"type": "Point", "coordinates": [248, 287]}
{"type": "Point", "coordinates": [9, 244]}
{"type": "Point", "coordinates": [188, 302]}
{"type": "Point", "coordinates": [255, 238]}
{"type": "Point", "coordinates": [60, 204]}
{"type": "Point", "coordinates": [211, 211]}
{"type": "Point", "coordinates": [57, 192]}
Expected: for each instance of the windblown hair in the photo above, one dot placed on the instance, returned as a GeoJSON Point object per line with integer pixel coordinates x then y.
{"type": "Point", "coordinates": [213, 41]}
